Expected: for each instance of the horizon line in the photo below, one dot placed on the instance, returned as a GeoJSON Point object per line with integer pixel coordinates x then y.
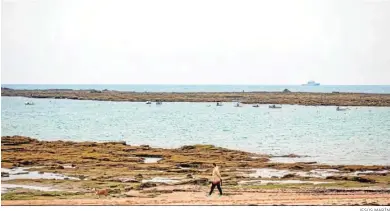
{"type": "Point", "coordinates": [190, 84]}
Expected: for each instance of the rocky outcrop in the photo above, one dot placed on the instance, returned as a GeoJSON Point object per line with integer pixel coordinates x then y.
{"type": "Point", "coordinates": [362, 179]}
{"type": "Point", "coordinates": [4, 174]}
{"type": "Point", "coordinates": [197, 181]}
{"type": "Point", "coordinates": [126, 180]}
{"type": "Point", "coordinates": [284, 97]}
{"type": "Point", "coordinates": [288, 176]}
{"type": "Point", "coordinates": [16, 140]}
{"type": "Point", "coordinates": [147, 185]}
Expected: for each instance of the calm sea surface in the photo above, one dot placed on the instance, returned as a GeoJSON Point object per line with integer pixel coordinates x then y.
{"type": "Point", "coordinates": [210, 88]}
{"type": "Point", "coordinates": [357, 136]}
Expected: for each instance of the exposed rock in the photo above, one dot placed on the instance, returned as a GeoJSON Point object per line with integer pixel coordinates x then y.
{"type": "Point", "coordinates": [243, 165]}
{"type": "Point", "coordinates": [189, 176]}
{"type": "Point", "coordinates": [115, 190]}
{"type": "Point", "coordinates": [288, 176]}
{"type": "Point", "coordinates": [296, 167]}
{"type": "Point", "coordinates": [16, 140]}
{"type": "Point", "coordinates": [57, 167]}
{"type": "Point", "coordinates": [307, 163]}
{"type": "Point", "coordinates": [289, 156]}
{"type": "Point", "coordinates": [374, 173]}
{"type": "Point", "coordinates": [189, 147]}
{"type": "Point", "coordinates": [129, 188]}
{"type": "Point", "coordinates": [337, 177]}
{"type": "Point", "coordinates": [145, 147]}
{"type": "Point", "coordinates": [23, 172]}
{"type": "Point", "coordinates": [4, 174]}
{"type": "Point", "coordinates": [104, 159]}
{"type": "Point", "coordinates": [95, 91]}
{"type": "Point", "coordinates": [26, 163]}
{"type": "Point", "coordinates": [262, 159]}
{"type": "Point", "coordinates": [147, 185]}
{"type": "Point", "coordinates": [121, 143]}
{"type": "Point", "coordinates": [198, 181]}
{"type": "Point", "coordinates": [189, 165]}
{"type": "Point", "coordinates": [127, 179]}
{"type": "Point", "coordinates": [139, 176]}
{"type": "Point", "coordinates": [5, 88]}
{"type": "Point", "coordinates": [240, 177]}
{"type": "Point", "coordinates": [363, 180]}
{"type": "Point", "coordinates": [82, 177]}
{"type": "Point", "coordinates": [130, 149]}
{"type": "Point", "coordinates": [286, 91]}
{"type": "Point", "coordinates": [230, 183]}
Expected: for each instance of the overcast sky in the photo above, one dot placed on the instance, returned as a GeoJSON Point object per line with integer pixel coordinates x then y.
{"type": "Point", "coordinates": [196, 42]}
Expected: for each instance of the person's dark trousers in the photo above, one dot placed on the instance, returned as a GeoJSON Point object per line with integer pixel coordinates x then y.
{"type": "Point", "coordinates": [218, 186]}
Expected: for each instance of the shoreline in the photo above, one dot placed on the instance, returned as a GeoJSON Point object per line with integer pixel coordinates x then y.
{"type": "Point", "coordinates": [287, 98]}
{"type": "Point", "coordinates": [136, 175]}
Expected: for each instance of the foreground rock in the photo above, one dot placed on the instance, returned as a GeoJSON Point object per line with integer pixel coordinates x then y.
{"type": "Point", "coordinates": [119, 169]}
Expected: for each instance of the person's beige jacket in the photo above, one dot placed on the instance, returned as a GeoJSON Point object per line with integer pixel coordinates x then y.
{"type": "Point", "coordinates": [216, 175]}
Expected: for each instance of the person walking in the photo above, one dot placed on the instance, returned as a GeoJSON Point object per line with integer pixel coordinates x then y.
{"type": "Point", "coordinates": [216, 180]}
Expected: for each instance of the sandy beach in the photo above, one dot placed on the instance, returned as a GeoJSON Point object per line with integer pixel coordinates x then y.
{"type": "Point", "coordinates": [276, 198]}
{"type": "Point", "coordinates": [38, 172]}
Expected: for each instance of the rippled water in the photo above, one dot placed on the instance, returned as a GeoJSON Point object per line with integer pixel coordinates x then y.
{"type": "Point", "coordinates": [22, 173]}
{"type": "Point", "coordinates": [6, 187]}
{"type": "Point", "coordinates": [360, 135]}
{"type": "Point", "coordinates": [160, 180]}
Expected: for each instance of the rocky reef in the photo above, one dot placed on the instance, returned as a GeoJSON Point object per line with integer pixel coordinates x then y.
{"type": "Point", "coordinates": [283, 97]}
{"type": "Point", "coordinates": [75, 170]}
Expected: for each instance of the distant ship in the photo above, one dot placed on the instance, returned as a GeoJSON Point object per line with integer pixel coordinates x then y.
{"type": "Point", "coordinates": [311, 83]}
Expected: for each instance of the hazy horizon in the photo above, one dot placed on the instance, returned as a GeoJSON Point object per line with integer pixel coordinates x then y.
{"type": "Point", "coordinates": [172, 42]}
{"type": "Point", "coordinates": [145, 84]}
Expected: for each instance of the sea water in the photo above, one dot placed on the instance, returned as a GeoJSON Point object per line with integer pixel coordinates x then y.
{"type": "Point", "coordinates": [360, 135]}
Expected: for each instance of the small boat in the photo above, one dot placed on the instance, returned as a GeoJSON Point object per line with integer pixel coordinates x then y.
{"type": "Point", "coordinates": [274, 106]}
{"type": "Point", "coordinates": [158, 102]}
{"type": "Point", "coordinates": [238, 104]}
{"type": "Point", "coordinates": [219, 103]}
{"type": "Point", "coordinates": [311, 83]}
{"type": "Point", "coordinates": [341, 108]}
{"type": "Point", "coordinates": [256, 106]}
{"type": "Point", "coordinates": [148, 102]}
{"type": "Point", "coordinates": [28, 103]}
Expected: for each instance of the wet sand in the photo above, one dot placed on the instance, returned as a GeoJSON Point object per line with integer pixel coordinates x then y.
{"type": "Point", "coordinates": [293, 98]}
{"type": "Point", "coordinates": [279, 198]}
